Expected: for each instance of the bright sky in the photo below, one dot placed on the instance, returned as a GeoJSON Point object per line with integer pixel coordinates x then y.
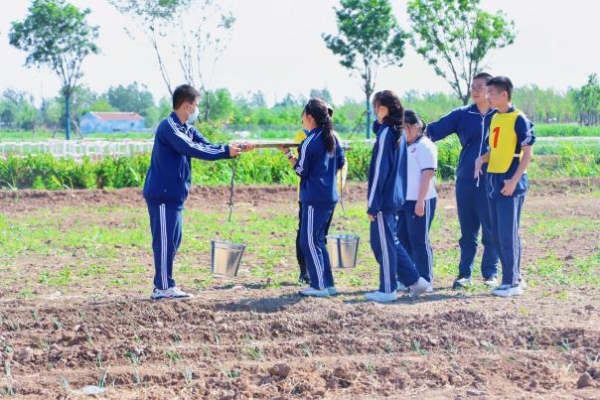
{"type": "Point", "coordinates": [276, 47]}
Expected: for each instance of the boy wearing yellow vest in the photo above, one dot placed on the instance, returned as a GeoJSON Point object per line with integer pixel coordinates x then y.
{"type": "Point", "coordinates": [510, 141]}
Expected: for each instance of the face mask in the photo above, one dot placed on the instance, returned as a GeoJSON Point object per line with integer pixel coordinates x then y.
{"type": "Point", "coordinates": [194, 116]}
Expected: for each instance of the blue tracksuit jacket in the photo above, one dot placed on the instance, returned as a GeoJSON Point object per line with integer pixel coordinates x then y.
{"type": "Point", "coordinates": [317, 170]}
{"type": "Point", "coordinates": [472, 128]}
{"type": "Point", "coordinates": [170, 174]}
{"type": "Point", "coordinates": [387, 172]}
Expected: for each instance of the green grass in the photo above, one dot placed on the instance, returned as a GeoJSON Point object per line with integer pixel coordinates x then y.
{"type": "Point", "coordinates": [110, 247]}
{"type": "Point", "coordinates": [563, 130]}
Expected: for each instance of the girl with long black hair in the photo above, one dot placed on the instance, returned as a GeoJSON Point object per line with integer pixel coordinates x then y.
{"type": "Point", "coordinates": [320, 156]}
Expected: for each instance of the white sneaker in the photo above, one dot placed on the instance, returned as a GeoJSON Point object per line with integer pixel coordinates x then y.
{"type": "Point", "coordinates": [371, 295]}
{"type": "Point", "coordinates": [429, 289]}
{"type": "Point", "coordinates": [400, 287]}
{"type": "Point", "coordinates": [522, 283]}
{"type": "Point", "coordinates": [508, 291]}
{"type": "Point", "coordinates": [170, 293]}
{"type": "Point", "coordinates": [309, 291]}
{"type": "Point", "coordinates": [381, 297]}
{"type": "Point", "coordinates": [419, 288]}
{"type": "Point", "coordinates": [491, 281]}
{"type": "Point", "coordinates": [332, 290]}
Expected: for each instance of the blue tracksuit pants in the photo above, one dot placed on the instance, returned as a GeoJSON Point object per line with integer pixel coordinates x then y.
{"type": "Point", "coordinates": [506, 216]}
{"type": "Point", "coordinates": [473, 213]}
{"type": "Point", "coordinates": [299, 254]}
{"type": "Point", "coordinates": [413, 234]}
{"type": "Point", "coordinates": [312, 244]}
{"type": "Point", "coordinates": [165, 225]}
{"type": "Point", "coordinates": [390, 255]}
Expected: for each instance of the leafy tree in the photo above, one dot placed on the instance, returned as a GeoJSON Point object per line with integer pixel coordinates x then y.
{"type": "Point", "coordinates": [221, 105]}
{"type": "Point", "coordinates": [323, 94]}
{"type": "Point", "coordinates": [369, 37]}
{"type": "Point", "coordinates": [194, 31]}
{"type": "Point", "coordinates": [587, 101]}
{"type": "Point", "coordinates": [130, 98]}
{"type": "Point", "coordinates": [51, 111]}
{"type": "Point", "coordinates": [17, 110]}
{"type": "Point", "coordinates": [454, 36]}
{"type": "Point", "coordinates": [56, 34]}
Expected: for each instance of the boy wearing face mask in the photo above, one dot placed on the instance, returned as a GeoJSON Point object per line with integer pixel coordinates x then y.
{"type": "Point", "coordinates": [168, 182]}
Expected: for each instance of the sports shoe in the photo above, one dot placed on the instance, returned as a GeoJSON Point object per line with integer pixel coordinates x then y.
{"type": "Point", "coordinates": [429, 289]}
{"type": "Point", "coordinates": [461, 283]}
{"type": "Point", "coordinates": [303, 280]}
{"type": "Point", "coordinates": [419, 288]}
{"type": "Point", "coordinates": [508, 291]}
{"type": "Point", "coordinates": [400, 287]}
{"type": "Point", "coordinates": [522, 283]}
{"type": "Point", "coordinates": [381, 297]}
{"type": "Point", "coordinates": [491, 281]}
{"type": "Point", "coordinates": [170, 293]}
{"type": "Point", "coordinates": [310, 291]}
{"type": "Point", "coordinates": [332, 290]}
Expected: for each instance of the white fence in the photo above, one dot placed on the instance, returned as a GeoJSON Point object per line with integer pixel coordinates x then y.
{"type": "Point", "coordinates": [77, 148]}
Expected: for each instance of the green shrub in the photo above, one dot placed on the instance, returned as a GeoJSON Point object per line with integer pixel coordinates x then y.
{"type": "Point", "coordinates": [564, 130]}
{"type": "Point", "coordinates": [262, 166]}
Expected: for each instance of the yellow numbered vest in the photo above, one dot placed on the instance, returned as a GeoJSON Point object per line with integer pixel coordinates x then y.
{"type": "Point", "coordinates": [502, 141]}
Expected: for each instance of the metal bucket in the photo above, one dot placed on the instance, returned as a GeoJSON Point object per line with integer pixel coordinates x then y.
{"type": "Point", "coordinates": [343, 250]}
{"type": "Point", "coordinates": [226, 257]}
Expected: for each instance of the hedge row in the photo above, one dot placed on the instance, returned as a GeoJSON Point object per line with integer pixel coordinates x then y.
{"type": "Point", "coordinates": [263, 166]}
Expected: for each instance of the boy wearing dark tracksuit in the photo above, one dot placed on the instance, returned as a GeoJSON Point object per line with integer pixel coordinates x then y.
{"type": "Point", "coordinates": [471, 124]}
{"type": "Point", "coordinates": [386, 191]}
{"type": "Point", "coordinates": [511, 139]}
{"type": "Point", "coordinates": [168, 183]}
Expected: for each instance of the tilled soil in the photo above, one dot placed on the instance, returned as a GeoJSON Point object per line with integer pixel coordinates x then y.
{"type": "Point", "coordinates": [245, 342]}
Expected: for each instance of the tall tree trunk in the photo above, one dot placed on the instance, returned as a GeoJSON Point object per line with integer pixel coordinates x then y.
{"type": "Point", "coordinates": [368, 127]}
{"type": "Point", "coordinates": [68, 114]}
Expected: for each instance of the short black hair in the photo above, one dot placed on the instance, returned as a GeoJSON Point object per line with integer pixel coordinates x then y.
{"type": "Point", "coordinates": [184, 93]}
{"type": "Point", "coordinates": [483, 75]}
{"type": "Point", "coordinates": [503, 84]}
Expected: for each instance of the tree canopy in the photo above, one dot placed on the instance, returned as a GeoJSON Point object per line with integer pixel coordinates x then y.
{"type": "Point", "coordinates": [369, 37]}
{"type": "Point", "coordinates": [454, 37]}
{"type": "Point", "coordinates": [56, 34]}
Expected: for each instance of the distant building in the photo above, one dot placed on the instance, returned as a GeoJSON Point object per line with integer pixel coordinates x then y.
{"type": "Point", "coordinates": [108, 122]}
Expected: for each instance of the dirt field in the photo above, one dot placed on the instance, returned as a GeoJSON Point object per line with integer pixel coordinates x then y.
{"type": "Point", "coordinates": [248, 341]}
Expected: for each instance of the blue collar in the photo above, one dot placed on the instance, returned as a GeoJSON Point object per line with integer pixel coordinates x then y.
{"type": "Point", "coordinates": [316, 130]}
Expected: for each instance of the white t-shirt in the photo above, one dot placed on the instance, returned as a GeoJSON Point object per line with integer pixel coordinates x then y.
{"type": "Point", "coordinates": [421, 155]}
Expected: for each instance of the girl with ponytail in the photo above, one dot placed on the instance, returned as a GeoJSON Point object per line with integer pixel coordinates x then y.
{"type": "Point", "coordinates": [320, 156]}
{"type": "Point", "coordinates": [415, 217]}
{"type": "Point", "coordinates": [386, 190]}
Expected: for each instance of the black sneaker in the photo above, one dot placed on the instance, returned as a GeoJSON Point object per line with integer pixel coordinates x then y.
{"type": "Point", "coordinates": [303, 280]}
{"type": "Point", "coordinates": [461, 283]}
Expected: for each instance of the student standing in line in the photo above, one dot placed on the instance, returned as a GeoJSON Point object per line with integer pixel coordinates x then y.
{"type": "Point", "coordinates": [304, 278]}
{"type": "Point", "coordinates": [510, 149]}
{"type": "Point", "coordinates": [168, 182]}
{"type": "Point", "coordinates": [471, 124]}
{"type": "Point", "coordinates": [386, 194]}
{"type": "Point", "coordinates": [320, 157]}
{"type": "Point", "coordinates": [416, 215]}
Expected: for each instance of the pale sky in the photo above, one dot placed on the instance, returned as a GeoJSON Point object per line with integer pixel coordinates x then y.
{"type": "Point", "coordinates": [276, 47]}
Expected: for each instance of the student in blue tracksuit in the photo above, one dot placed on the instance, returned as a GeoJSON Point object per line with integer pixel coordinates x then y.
{"type": "Point", "coordinates": [417, 213]}
{"type": "Point", "coordinates": [386, 191]}
{"type": "Point", "coordinates": [168, 182]}
{"type": "Point", "coordinates": [471, 124]}
{"type": "Point", "coordinates": [320, 156]}
{"type": "Point", "coordinates": [511, 142]}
